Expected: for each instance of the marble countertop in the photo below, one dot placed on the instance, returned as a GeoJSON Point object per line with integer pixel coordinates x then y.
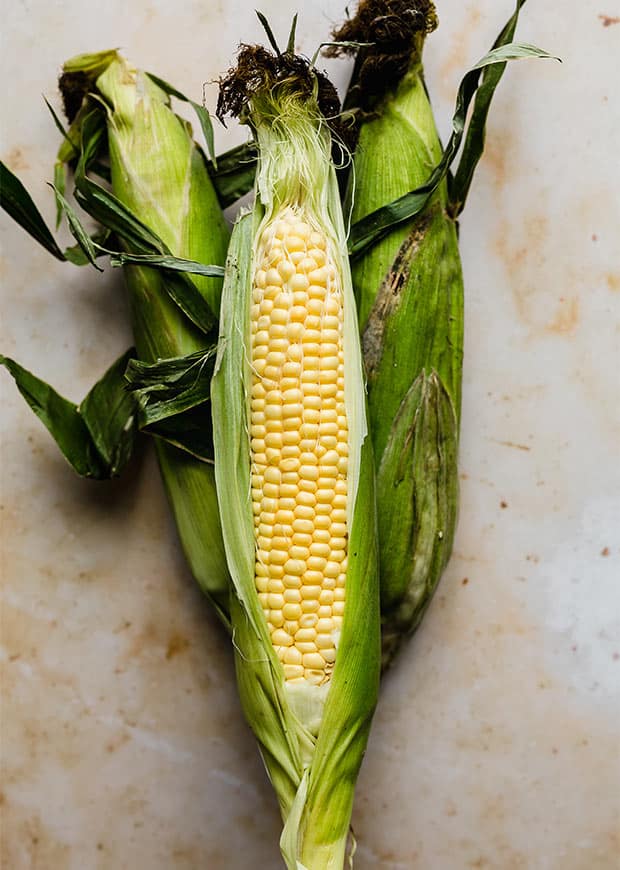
{"type": "Point", "coordinates": [496, 741]}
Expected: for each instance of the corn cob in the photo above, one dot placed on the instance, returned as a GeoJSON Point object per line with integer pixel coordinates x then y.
{"type": "Point", "coordinates": [409, 292]}
{"type": "Point", "coordinates": [293, 463]}
{"type": "Point", "coordinates": [159, 172]}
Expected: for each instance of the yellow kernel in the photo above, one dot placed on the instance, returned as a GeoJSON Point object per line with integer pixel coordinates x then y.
{"type": "Point", "coordinates": [283, 300]}
{"type": "Point", "coordinates": [308, 620]}
{"type": "Point", "coordinates": [305, 635]}
{"type": "Point", "coordinates": [306, 646]}
{"type": "Point", "coordinates": [318, 255]}
{"type": "Point", "coordinates": [273, 440]}
{"type": "Point", "coordinates": [326, 598]}
{"type": "Point", "coordinates": [332, 569]}
{"type": "Point", "coordinates": [277, 557]}
{"type": "Point", "coordinates": [291, 439]}
{"type": "Point", "coordinates": [329, 654]}
{"type": "Point", "coordinates": [320, 548]}
{"type": "Point", "coordinates": [330, 319]}
{"type": "Point", "coordinates": [272, 475]}
{"type": "Point", "coordinates": [304, 512]}
{"type": "Point", "coordinates": [301, 553]}
{"type": "Point", "coordinates": [294, 243]}
{"type": "Point", "coordinates": [306, 498]}
{"type": "Point", "coordinates": [273, 278]}
{"type": "Point", "coordinates": [295, 566]}
{"type": "Point", "coordinates": [281, 638]}
{"type": "Point", "coordinates": [298, 313]}
{"type": "Point", "coordinates": [292, 611]}
{"type": "Point", "coordinates": [302, 229]}
{"type": "Point", "coordinates": [317, 240]}
{"type": "Point", "coordinates": [292, 595]}
{"type": "Point", "coordinates": [310, 592]}
{"type": "Point", "coordinates": [279, 315]}
{"type": "Point", "coordinates": [313, 660]}
{"type": "Point", "coordinates": [338, 530]}
{"type": "Point", "coordinates": [276, 601]}
{"type": "Point", "coordinates": [307, 265]}
{"type": "Point", "coordinates": [324, 496]}
{"type": "Point", "coordinates": [302, 539]}
{"type": "Point", "coordinates": [338, 608]}
{"type": "Point", "coordinates": [292, 672]}
{"type": "Point", "coordinates": [298, 283]}
{"type": "Point", "coordinates": [291, 581]}
{"type": "Point", "coordinates": [286, 269]}
{"type": "Point", "coordinates": [292, 656]}
{"type": "Point", "coordinates": [309, 431]}
{"type": "Point", "coordinates": [302, 525]}
{"type": "Point", "coordinates": [288, 490]}
{"type": "Point", "coordinates": [293, 410]}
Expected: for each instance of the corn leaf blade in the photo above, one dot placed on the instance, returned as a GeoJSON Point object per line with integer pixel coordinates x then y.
{"type": "Point", "coordinates": [96, 437]}
{"type": "Point", "coordinates": [374, 226]}
{"type": "Point", "coordinates": [17, 202]}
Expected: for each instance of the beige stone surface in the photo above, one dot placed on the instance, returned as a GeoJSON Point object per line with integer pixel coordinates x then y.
{"type": "Point", "coordinates": [496, 740]}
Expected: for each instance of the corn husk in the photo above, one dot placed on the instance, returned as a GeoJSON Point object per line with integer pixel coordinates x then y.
{"type": "Point", "coordinates": [409, 291]}
{"type": "Point", "coordinates": [159, 173]}
{"type": "Point", "coordinates": [312, 739]}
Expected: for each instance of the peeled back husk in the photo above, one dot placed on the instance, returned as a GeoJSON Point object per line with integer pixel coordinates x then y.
{"type": "Point", "coordinates": [312, 738]}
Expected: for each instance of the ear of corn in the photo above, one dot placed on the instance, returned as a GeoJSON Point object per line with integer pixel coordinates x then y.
{"type": "Point", "coordinates": [158, 171]}
{"type": "Point", "coordinates": [410, 297]}
{"type": "Point", "coordinates": [294, 471]}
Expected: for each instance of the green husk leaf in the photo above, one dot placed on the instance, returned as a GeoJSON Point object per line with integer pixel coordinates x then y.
{"type": "Point", "coordinates": [77, 230]}
{"type": "Point", "coordinates": [473, 145]}
{"type": "Point", "coordinates": [203, 115]}
{"type": "Point", "coordinates": [60, 184]}
{"type": "Point", "coordinates": [108, 210]}
{"type": "Point", "coordinates": [417, 506]}
{"type": "Point", "coordinates": [166, 261]}
{"type": "Point", "coordinates": [17, 202]}
{"type": "Point", "coordinates": [110, 414]}
{"type": "Point", "coordinates": [269, 32]}
{"type": "Point", "coordinates": [166, 391]}
{"type": "Point", "coordinates": [234, 176]}
{"type": "Point", "coordinates": [379, 223]}
{"type": "Point", "coordinates": [96, 437]}
{"type": "Point", "coordinates": [76, 255]}
{"type": "Point", "coordinates": [290, 45]}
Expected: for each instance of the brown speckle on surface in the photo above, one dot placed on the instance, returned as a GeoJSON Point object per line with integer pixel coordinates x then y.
{"type": "Point", "coordinates": [16, 161]}
{"type": "Point", "coordinates": [613, 281]}
{"type": "Point", "coordinates": [566, 317]}
{"type": "Point", "coordinates": [464, 581]}
{"type": "Point", "coordinates": [511, 444]}
{"type": "Point", "coordinates": [532, 557]}
{"type": "Point", "coordinates": [503, 504]}
{"type": "Point", "coordinates": [176, 644]}
{"type": "Point", "coordinates": [608, 20]}
{"type": "Point", "coordinates": [605, 551]}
